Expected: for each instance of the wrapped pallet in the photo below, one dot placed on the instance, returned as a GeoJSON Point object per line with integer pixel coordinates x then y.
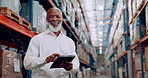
{"type": "Point", "coordinates": [146, 12]}
{"type": "Point", "coordinates": [72, 18]}
{"type": "Point", "coordinates": [39, 23]}
{"type": "Point", "coordinates": [42, 23]}
{"type": "Point", "coordinates": [134, 7]}
{"type": "Point", "coordinates": [39, 17]}
{"type": "Point", "coordinates": [35, 15]}
{"type": "Point", "coordinates": [14, 5]}
{"type": "Point", "coordinates": [131, 33]}
{"type": "Point", "coordinates": [75, 4]}
{"type": "Point", "coordinates": [24, 12]}
{"type": "Point", "coordinates": [130, 10]}
{"type": "Point", "coordinates": [119, 31]}
{"type": "Point", "coordinates": [63, 5]}
{"type": "Point", "coordinates": [134, 32]}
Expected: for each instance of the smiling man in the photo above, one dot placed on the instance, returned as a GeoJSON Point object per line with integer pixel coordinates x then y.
{"type": "Point", "coordinates": [44, 48]}
{"type": "Point", "coordinates": [54, 17]}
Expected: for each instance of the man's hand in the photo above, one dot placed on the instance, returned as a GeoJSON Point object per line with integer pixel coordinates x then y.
{"type": "Point", "coordinates": [52, 57]}
{"type": "Point", "coordinates": [67, 66]}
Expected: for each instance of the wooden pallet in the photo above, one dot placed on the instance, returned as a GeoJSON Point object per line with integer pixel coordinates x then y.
{"type": "Point", "coordinates": [15, 17]}
{"type": "Point", "coordinates": [10, 14]}
{"type": "Point", "coordinates": [25, 23]}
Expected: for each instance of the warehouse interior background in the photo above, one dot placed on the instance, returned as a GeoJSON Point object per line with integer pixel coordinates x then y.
{"type": "Point", "coordinates": [111, 36]}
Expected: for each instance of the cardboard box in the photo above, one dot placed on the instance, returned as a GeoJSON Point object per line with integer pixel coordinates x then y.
{"type": "Point", "coordinates": [146, 58]}
{"type": "Point", "coordinates": [139, 74]}
{"type": "Point", "coordinates": [137, 62]}
{"type": "Point", "coordinates": [9, 64]}
{"type": "Point", "coordinates": [120, 72]}
{"type": "Point", "coordinates": [108, 72]}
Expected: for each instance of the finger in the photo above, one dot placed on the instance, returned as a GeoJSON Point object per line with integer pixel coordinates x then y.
{"type": "Point", "coordinates": [56, 54]}
{"type": "Point", "coordinates": [68, 68]}
{"type": "Point", "coordinates": [52, 58]}
{"type": "Point", "coordinates": [69, 63]}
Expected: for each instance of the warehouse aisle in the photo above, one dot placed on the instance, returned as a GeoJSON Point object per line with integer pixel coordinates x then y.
{"type": "Point", "coordinates": [110, 36]}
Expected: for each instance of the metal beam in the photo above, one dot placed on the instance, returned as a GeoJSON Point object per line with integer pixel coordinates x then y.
{"type": "Point", "coordinates": [12, 25]}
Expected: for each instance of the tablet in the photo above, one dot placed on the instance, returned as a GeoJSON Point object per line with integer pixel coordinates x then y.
{"type": "Point", "coordinates": [62, 59]}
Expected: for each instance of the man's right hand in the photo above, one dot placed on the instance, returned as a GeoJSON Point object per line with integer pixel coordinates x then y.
{"type": "Point", "coordinates": [52, 57]}
{"type": "Point", "coordinates": [67, 66]}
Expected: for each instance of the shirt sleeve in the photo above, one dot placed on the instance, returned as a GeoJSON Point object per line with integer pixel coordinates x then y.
{"type": "Point", "coordinates": [32, 58]}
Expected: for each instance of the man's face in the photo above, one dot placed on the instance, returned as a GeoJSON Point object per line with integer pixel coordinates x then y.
{"type": "Point", "coordinates": [54, 17]}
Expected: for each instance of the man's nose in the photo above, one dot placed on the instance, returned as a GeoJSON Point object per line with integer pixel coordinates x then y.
{"type": "Point", "coordinates": [54, 18]}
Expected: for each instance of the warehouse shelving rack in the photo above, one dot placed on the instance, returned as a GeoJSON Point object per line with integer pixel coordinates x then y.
{"type": "Point", "coordinates": [22, 35]}
{"type": "Point", "coordinates": [87, 27]}
{"type": "Point", "coordinates": [83, 15]}
{"type": "Point", "coordinates": [9, 27]}
{"type": "Point", "coordinates": [122, 56]}
{"type": "Point", "coordinates": [143, 42]}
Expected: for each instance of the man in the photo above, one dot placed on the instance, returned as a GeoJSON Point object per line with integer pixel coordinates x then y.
{"type": "Point", "coordinates": [44, 48]}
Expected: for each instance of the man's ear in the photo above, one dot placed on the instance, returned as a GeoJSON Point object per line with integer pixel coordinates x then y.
{"type": "Point", "coordinates": [47, 18]}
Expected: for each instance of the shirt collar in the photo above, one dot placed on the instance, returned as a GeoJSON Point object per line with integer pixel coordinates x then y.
{"type": "Point", "coordinates": [48, 31]}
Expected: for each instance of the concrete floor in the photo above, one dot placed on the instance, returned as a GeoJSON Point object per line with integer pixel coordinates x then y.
{"type": "Point", "coordinates": [102, 76]}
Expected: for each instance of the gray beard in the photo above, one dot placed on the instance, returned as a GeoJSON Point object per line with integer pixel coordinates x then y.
{"type": "Point", "coordinates": [55, 29]}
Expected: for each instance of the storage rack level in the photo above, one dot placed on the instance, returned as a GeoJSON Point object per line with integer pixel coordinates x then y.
{"type": "Point", "coordinates": [14, 35]}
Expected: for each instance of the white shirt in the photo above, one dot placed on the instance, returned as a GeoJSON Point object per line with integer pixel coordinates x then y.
{"type": "Point", "coordinates": [42, 46]}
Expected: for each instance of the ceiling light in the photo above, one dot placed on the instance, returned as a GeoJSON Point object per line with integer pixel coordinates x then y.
{"type": "Point", "coordinates": [101, 40]}
{"type": "Point", "coordinates": [101, 22]}
{"type": "Point", "coordinates": [100, 44]}
{"type": "Point", "coordinates": [100, 51]}
{"type": "Point", "coordinates": [100, 33]}
{"type": "Point", "coordinates": [101, 7]}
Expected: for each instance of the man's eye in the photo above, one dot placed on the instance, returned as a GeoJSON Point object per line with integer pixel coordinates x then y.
{"type": "Point", "coordinates": [54, 16]}
{"type": "Point", "coordinates": [50, 16]}
{"type": "Point", "coordinates": [58, 16]}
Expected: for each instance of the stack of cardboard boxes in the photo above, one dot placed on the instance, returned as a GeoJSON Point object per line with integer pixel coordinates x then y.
{"type": "Point", "coordinates": [10, 64]}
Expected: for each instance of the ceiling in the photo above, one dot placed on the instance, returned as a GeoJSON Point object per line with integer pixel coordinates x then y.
{"type": "Point", "coordinates": [100, 13]}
